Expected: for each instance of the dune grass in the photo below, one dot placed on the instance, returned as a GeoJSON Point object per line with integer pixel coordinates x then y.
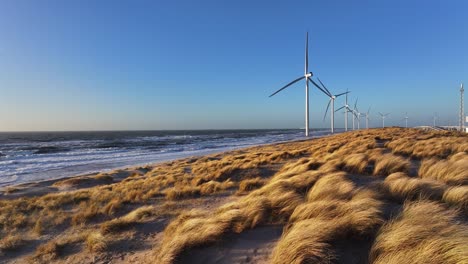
{"type": "Point", "coordinates": [96, 242]}
{"type": "Point", "coordinates": [121, 223]}
{"type": "Point", "coordinates": [403, 187]}
{"type": "Point", "coordinates": [425, 232]}
{"type": "Point", "coordinates": [452, 171]}
{"type": "Point", "coordinates": [11, 242]}
{"type": "Point", "coordinates": [388, 163]}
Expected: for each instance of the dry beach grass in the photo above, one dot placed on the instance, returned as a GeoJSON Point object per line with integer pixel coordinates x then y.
{"type": "Point", "coordinates": [370, 196]}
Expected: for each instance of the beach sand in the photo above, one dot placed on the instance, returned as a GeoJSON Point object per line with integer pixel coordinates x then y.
{"type": "Point", "coordinates": [339, 198]}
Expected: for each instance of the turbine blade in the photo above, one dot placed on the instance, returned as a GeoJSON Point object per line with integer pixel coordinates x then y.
{"type": "Point", "coordinates": [287, 85]}
{"type": "Point", "coordinates": [340, 108]}
{"type": "Point", "coordinates": [368, 111]}
{"type": "Point", "coordinates": [316, 85]}
{"type": "Point", "coordinates": [355, 103]}
{"type": "Point", "coordinates": [341, 94]}
{"type": "Point", "coordinates": [307, 53]}
{"type": "Point", "coordinates": [380, 114]}
{"type": "Point", "coordinates": [326, 111]}
{"type": "Point", "coordinates": [323, 85]}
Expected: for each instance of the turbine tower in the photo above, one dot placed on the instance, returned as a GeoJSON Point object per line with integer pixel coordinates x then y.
{"type": "Point", "coordinates": [307, 76]}
{"type": "Point", "coordinates": [383, 118]}
{"type": "Point", "coordinates": [462, 110]}
{"type": "Point", "coordinates": [332, 101]}
{"type": "Point", "coordinates": [406, 120]}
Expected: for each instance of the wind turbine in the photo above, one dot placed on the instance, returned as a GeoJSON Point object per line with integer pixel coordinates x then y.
{"type": "Point", "coordinates": [307, 76]}
{"type": "Point", "coordinates": [383, 118]}
{"type": "Point", "coordinates": [434, 118]}
{"type": "Point", "coordinates": [332, 101]}
{"type": "Point", "coordinates": [357, 115]}
{"type": "Point", "coordinates": [406, 119]}
{"type": "Point", "coordinates": [367, 118]}
{"type": "Point", "coordinates": [347, 109]}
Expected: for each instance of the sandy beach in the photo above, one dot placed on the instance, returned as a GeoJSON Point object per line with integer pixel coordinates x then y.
{"type": "Point", "coordinates": [346, 198]}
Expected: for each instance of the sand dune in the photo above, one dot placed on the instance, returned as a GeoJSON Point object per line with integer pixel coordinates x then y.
{"type": "Point", "coordinates": [370, 196]}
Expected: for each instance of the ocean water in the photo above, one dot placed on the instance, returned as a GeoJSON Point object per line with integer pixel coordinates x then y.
{"type": "Point", "coordinates": [35, 156]}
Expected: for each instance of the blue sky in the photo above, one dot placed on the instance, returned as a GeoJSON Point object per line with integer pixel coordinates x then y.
{"type": "Point", "coordinates": [103, 65]}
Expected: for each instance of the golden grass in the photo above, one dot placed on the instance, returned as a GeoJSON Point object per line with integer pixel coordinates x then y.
{"type": "Point", "coordinates": [402, 187]}
{"type": "Point", "coordinates": [450, 171]}
{"type": "Point", "coordinates": [319, 190]}
{"type": "Point", "coordinates": [250, 184]}
{"type": "Point", "coordinates": [11, 242]}
{"type": "Point", "coordinates": [458, 196]}
{"type": "Point", "coordinates": [119, 224]}
{"type": "Point", "coordinates": [309, 241]}
{"type": "Point", "coordinates": [175, 193]}
{"type": "Point", "coordinates": [195, 228]}
{"type": "Point", "coordinates": [48, 252]}
{"type": "Point", "coordinates": [314, 226]}
{"type": "Point", "coordinates": [356, 163]}
{"type": "Point", "coordinates": [96, 242]}
{"type": "Point", "coordinates": [389, 163]}
{"type": "Point", "coordinates": [431, 145]}
{"type": "Point", "coordinates": [425, 232]}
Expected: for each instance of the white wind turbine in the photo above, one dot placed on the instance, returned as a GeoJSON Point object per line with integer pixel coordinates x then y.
{"type": "Point", "coordinates": [347, 109]}
{"type": "Point", "coordinates": [435, 118]}
{"type": "Point", "coordinates": [357, 115]}
{"type": "Point", "coordinates": [406, 119]}
{"type": "Point", "coordinates": [367, 118]}
{"type": "Point", "coordinates": [332, 101]}
{"type": "Point", "coordinates": [307, 76]}
{"type": "Point", "coordinates": [383, 118]}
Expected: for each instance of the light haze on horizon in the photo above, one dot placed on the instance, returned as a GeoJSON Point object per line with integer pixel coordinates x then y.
{"type": "Point", "coordinates": [143, 65]}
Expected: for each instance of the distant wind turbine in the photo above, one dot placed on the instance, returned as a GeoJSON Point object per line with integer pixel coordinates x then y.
{"type": "Point", "coordinates": [367, 118]}
{"type": "Point", "coordinates": [332, 101]}
{"type": "Point", "coordinates": [383, 118]}
{"type": "Point", "coordinates": [357, 115]}
{"type": "Point", "coordinates": [435, 118]}
{"type": "Point", "coordinates": [406, 119]}
{"type": "Point", "coordinates": [347, 109]}
{"type": "Point", "coordinates": [307, 76]}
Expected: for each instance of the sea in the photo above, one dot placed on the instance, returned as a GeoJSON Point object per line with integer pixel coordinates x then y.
{"type": "Point", "coordinates": [35, 156]}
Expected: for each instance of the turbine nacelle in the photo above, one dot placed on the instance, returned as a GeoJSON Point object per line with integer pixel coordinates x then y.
{"type": "Point", "coordinates": [308, 75]}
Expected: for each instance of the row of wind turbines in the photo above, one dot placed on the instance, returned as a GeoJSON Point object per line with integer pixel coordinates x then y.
{"type": "Point", "coordinates": [332, 97]}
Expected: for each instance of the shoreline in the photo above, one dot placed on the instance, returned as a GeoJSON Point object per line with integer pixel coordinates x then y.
{"type": "Point", "coordinates": [39, 174]}
{"type": "Point", "coordinates": [130, 168]}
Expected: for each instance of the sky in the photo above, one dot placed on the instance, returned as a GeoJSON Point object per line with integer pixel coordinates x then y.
{"type": "Point", "coordinates": [144, 65]}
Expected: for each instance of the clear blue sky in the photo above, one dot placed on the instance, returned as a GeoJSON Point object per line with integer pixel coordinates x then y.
{"type": "Point", "coordinates": [99, 65]}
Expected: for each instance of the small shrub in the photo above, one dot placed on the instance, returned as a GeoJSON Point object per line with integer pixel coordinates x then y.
{"type": "Point", "coordinates": [96, 242]}
{"type": "Point", "coordinates": [389, 163]}
{"type": "Point", "coordinates": [48, 251]}
{"type": "Point", "coordinates": [176, 193]}
{"type": "Point", "coordinates": [250, 184]}
{"type": "Point", "coordinates": [11, 242]}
